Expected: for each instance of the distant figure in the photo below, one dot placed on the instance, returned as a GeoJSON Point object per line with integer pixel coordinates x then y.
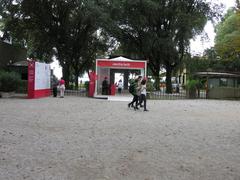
{"type": "Point", "coordinates": [120, 86]}
{"type": "Point", "coordinates": [62, 87]}
{"type": "Point", "coordinates": [54, 86]}
{"type": "Point", "coordinates": [105, 86]}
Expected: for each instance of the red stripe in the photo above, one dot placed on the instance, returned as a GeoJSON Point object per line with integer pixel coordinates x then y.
{"type": "Point", "coordinates": [41, 93]}
{"type": "Point", "coordinates": [31, 78]}
{"type": "Point", "coordinates": [120, 64]}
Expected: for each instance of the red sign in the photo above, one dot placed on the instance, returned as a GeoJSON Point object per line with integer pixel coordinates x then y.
{"type": "Point", "coordinates": [32, 91]}
{"type": "Point", "coordinates": [121, 64]}
{"type": "Point", "coordinates": [31, 78]}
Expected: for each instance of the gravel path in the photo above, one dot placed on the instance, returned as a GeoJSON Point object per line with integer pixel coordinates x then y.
{"type": "Point", "coordinates": [90, 139]}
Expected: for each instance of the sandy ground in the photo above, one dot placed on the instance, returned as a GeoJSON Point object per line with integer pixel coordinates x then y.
{"type": "Point", "coordinates": [90, 139]}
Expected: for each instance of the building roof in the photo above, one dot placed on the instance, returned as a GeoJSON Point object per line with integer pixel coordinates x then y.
{"type": "Point", "coordinates": [120, 58]}
{"type": "Point", "coordinates": [20, 63]}
{"type": "Point", "coordinates": [216, 74]}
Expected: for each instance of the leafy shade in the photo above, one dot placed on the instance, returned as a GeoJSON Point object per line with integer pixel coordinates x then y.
{"type": "Point", "coordinates": [9, 81]}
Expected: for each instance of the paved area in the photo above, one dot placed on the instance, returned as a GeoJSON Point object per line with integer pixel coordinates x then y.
{"type": "Point", "coordinates": [92, 139]}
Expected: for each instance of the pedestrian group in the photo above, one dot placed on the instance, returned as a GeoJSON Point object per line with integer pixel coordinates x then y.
{"type": "Point", "coordinates": [138, 89]}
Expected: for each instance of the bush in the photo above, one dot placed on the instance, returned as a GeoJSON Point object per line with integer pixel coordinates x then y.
{"type": "Point", "coordinates": [192, 86]}
{"type": "Point", "coordinates": [9, 81]}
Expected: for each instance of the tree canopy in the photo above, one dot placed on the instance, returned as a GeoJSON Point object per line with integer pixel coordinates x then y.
{"type": "Point", "coordinates": [66, 28]}
{"type": "Point", "coordinates": [227, 41]}
{"type": "Point", "coordinates": [156, 30]}
{"type": "Point", "coordinates": [159, 31]}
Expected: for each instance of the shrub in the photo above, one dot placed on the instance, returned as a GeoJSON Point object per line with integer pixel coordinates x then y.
{"type": "Point", "coordinates": [9, 81]}
{"type": "Point", "coordinates": [192, 86]}
{"type": "Point", "coordinates": [86, 85]}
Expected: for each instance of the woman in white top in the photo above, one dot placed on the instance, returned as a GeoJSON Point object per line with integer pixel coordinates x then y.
{"type": "Point", "coordinates": [143, 95]}
{"type": "Point", "coordinates": [120, 86]}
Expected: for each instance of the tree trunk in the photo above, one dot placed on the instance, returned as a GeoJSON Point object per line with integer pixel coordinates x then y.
{"type": "Point", "coordinates": [157, 82]}
{"type": "Point", "coordinates": [168, 79]}
{"type": "Point", "coordinates": [76, 75]}
{"type": "Point", "coordinates": [66, 73]}
{"type": "Point", "coordinates": [157, 78]}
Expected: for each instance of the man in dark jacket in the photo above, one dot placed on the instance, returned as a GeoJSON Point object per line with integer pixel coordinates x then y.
{"type": "Point", "coordinates": [105, 86]}
{"type": "Point", "coordinates": [133, 90]}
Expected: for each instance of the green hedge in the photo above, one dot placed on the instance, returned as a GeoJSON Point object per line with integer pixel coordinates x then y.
{"type": "Point", "coordinates": [9, 81]}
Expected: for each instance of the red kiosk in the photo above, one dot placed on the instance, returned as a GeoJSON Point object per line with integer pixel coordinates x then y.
{"type": "Point", "coordinates": [39, 79]}
{"type": "Point", "coordinates": [106, 68]}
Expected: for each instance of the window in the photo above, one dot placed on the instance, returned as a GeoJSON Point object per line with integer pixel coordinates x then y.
{"type": "Point", "coordinates": [223, 82]}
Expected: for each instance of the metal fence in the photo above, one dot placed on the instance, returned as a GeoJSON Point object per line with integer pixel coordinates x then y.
{"type": "Point", "coordinates": [155, 95]}
{"type": "Point", "coordinates": [200, 94]}
{"type": "Point", "coordinates": [165, 96]}
{"type": "Point", "coordinates": [80, 92]}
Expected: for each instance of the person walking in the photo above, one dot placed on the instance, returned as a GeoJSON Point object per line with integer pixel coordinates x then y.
{"type": "Point", "coordinates": [143, 92]}
{"type": "Point", "coordinates": [139, 80]}
{"type": "Point", "coordinates": [62, 87]}
{"type": "Point", "coordinates": [133, 91]}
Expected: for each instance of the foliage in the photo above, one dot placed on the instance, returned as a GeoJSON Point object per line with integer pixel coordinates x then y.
{"type": "Point", "coordinates": [192, 84]}
{"type": "Point", "coordinates": [227, 40]}
{"type": "Point", "coordinates": [64, 28]}
{"type": "Point", "coordinates": [210, 61]}
{"type": "Point", "coordinates": [157, 30]}
{"type": "Point", "coordinates": [9, 81]}
{"type": "Point", "coordinates": [196, 64]}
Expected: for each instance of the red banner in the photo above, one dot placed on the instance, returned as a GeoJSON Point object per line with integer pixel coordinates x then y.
{"type": "Point", "coordinates": [33, 92]}
{"type": "Point", "coordinates": [31, 78]}
{"type": "Point", "coordinates": [120, 64]}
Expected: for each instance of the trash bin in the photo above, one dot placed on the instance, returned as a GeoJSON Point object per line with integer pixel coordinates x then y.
{"type": "Point", "coordinates": [113, 89]}
{"type": "Point", "coordinates": [91, 88]}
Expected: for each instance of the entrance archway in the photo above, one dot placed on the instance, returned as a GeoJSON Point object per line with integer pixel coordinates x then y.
{"type": "Point", "coordinates": [106, 68]}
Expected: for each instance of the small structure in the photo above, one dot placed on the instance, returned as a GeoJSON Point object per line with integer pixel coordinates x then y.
{"type": "Point", "coordinates": [21, 67]}
{"type": "Point", "coordinates": [39, 79]}
{"type": "Point", "coordinates": [221, 85]}
{"type": "Point", "coordinates": [108, 68]}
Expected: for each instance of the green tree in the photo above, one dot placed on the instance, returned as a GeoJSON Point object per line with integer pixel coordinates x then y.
{"type": "Point", "coordinates": [196, 64]}
{"type": "Point", "coordinates": [158, 30]}
{"type": "Point", "coordinates": [66, 28]}
{"type": "Point", "coordinates": [227, 40]}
